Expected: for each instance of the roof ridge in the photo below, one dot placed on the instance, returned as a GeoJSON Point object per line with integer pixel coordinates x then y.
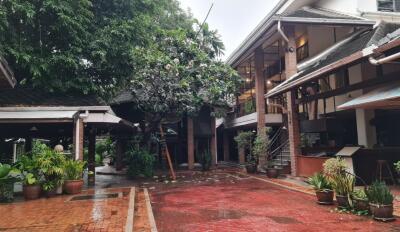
{"type": "Point", "coordinates": [324, 10]}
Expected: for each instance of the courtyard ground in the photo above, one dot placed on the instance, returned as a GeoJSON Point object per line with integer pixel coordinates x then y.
{"type": "Point", "coordinates": [221, 200]}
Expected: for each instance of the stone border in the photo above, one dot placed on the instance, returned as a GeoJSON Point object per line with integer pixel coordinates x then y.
{"type": "Point", "coordinates": [131, 211]}
{"type": "Point", "coordinates": [152, 221]}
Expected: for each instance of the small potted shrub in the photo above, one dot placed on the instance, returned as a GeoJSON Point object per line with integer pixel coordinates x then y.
{"type": "Point", "coordinates": [30, 176]}
{"type": "Point", "coordinates": [343, 185]}
{"type": "Point", "coordinates": [397, 168]}
{"type": "Point", "coordinates": [360, 200]}
{"type": "Point", "coordinates": [380, 201]}
{"type": "Point", "coordinates": [8, 176]}
{"type": "Point", "coordinates": [342, 182]}
{"type": "Point", "coordinates": [244, 141]}
{"type": "Point", "coordinates": [322, 187]}
{"type": "Point", "coordinates": [51, 167]}
{"type": "Point", "coordinates": [31, 187]}
{"type": "Point", "coordinates": [73, 176]}
{"type": "Point", "coordinates": [205, 160]}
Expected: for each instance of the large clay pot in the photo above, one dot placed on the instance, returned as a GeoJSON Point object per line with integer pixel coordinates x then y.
{"type": "Point", "coordinates": [73, 186]}
{"type": "Point", "coordinates": [251, 168]}
{"type": "Point", "coordinates": [324, 197]}
{"type": "Point", "coordinates": [343, 202]}
{"type": "Point", "coordinates": [382, 212]}
{"type": "Point", "coordinates": [272, 172]}
{"type": "Point", "coordinates": [361, 205]}
{"type": "Point", "coordinates": [31, 192]}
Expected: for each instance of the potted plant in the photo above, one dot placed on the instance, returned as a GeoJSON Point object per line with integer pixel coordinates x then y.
{"type": "Point", "coordinates": [51, 167]}
{"type": "Point", "coordinates": [205, 160]}
{"type": "Point", "coordinates": [260, 148]}
{"type": "Point", "coordinates": [30, 176]}
{"type": "Point", "coordinates": [360, 200]}
{"type": "Point", "coordinates": [8, 176]}
{"type": "Point", "coordinates": [380, 201]}
{"type": "Point", "coordinates": [342, 181]}
{"type": "Point", "coordinates": [73, 176]}
{"type": "Point", "coordinates": [322, 187]}
{"type": "Point", "coordinates": [244, 141]}
{"type": "Point", "coordinates": [397, 168]}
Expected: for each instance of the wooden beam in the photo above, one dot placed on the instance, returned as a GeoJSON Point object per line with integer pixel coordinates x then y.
{"type": "Point", "coordinates": [360, 85]}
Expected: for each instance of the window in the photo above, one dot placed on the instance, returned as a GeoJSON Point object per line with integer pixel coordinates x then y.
{"type": "Point", "coordinates": [302, 52]}
{"type": "Point", "coordinates": [388, 5]}
{"type": "Point", "coordinates": [342, 79]}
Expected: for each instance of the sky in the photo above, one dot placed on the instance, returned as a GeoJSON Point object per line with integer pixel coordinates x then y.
{"type": "Point", "coordinates": [234, 19]}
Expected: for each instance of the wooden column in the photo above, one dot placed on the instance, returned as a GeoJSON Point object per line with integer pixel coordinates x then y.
{"type": "Point", "coordinates": [119, 153]}
{"type": "Point", "coordinates": [213, 143]}
{"type": "Point", "coordinates": [78, 137]}
{"type": "Point", "coordinates": [293, 114]}
{"type": "Point", "coordinates": [190, 143]}
{"type": "Point", "coordinates": [226, 145]}
{"type": "Point", "coordinates": [92, 157]}
{"type": "Point", "coordinates": [241, 153]}
{"type": "Point", "coordinates": [260, 99]}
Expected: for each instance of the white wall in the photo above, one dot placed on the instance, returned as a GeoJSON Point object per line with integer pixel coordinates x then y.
{"type": "Point", "coordinates": [346, 6]}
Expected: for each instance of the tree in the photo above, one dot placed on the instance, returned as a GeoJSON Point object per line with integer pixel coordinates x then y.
{"type": "Point", "coordinates": [175, 76]}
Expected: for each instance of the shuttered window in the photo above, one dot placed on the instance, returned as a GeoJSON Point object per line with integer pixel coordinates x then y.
{"type": "Point", "coordinates": [388, 5]}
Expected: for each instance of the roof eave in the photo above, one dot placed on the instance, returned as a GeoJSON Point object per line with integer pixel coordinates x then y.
{"type": "Point", "coordinates": [327, 21]}
{"type": "Point", "coordinates": [255, 34]}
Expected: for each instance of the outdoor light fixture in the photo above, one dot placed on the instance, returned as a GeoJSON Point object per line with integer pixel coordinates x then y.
{"type": "Point", "coordinates": [33, 128]}
{"type": "Point", "coordinates": [248, 80]}
{"type": "Point", "coordinates": [269, 82]}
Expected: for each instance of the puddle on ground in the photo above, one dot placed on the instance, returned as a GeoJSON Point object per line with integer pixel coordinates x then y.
{"type": "Point", "coordinates": [95, 196]}
{"type": "Point", "coordinates": [223, 214]}
{"type": "Point", "coordinates": [284, 220]}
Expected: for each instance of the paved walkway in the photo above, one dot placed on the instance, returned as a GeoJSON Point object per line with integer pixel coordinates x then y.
{"type": "Point", "coordinates": [60, 214]}
{"type": "Point", "coordinates": [237, 202]}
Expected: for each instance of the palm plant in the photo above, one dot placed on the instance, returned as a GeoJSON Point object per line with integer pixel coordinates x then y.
{"type": "Point", "coordinates": [51, 166]}
{"type": "Point", "coordinates": [73, 169]}
{"type": "Point", "coordinates": [320, 182]}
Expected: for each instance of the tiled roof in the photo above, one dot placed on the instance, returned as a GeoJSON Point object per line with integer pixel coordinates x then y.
{"type": "Point", "coordinates": [360, 41]}
{"type": "Point", "coordinates": [319, 13]}
{"type": "Point", "coordinates": [21, 97]}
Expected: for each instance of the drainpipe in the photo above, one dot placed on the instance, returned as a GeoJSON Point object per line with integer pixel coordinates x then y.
{"type": "Point", "coordinates": [84, 115]}
{"type": "Point", "coordinates": [384, 60]}
{"type": "Point", "coordinates": [281, 32]}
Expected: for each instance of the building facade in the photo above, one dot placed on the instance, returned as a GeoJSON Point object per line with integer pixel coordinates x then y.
{"type": "Point", "coordinates": [302, 64]}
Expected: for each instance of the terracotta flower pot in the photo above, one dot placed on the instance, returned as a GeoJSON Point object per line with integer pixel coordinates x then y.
{"type": "Point", "coordinates": [343, 202]}
{"type": "Point", "coordinates": [272, 173]}
{"type": "Point", "coordinates": [73, 186]}
{"type": "Point", "coordinates": [251, 168]}
{"type": "Point", "coordinates": [382, 212]}
{"type": "Point", "coordinates": [361, 205]}
{"type": "Point", "coordinates": [324, 197]}
{"type": "Point", "coordinates": [50, 193]}
{"type": "Point", "coordinates": [32, 192]}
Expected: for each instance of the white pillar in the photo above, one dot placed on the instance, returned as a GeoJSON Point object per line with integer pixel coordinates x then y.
{"type": "Point", "coordinates": [365, 131]}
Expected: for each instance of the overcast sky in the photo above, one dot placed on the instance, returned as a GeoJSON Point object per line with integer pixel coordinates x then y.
{"type": "Point", "coordinates": [234, 19]}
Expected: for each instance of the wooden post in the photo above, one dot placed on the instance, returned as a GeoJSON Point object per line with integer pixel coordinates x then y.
{"type": "Point", "coordinates": [213, 143]}
{"type": "Point", "coordinates": [165, 153]}
{"type": "Point", "coordinates": [226, 145]}
{"type": "Point", "coordinates": [241, 153]}
{"type": "Point", "coordinates": [293, 117]}
{"type": "Point", "coordinates": [260, 99]}
{"type": "Point", "coordinates": [92, 157]}
{"type": "Point", "coordinates": [190, 143]}
{"type": "Point", "coordinates": [119, 152]}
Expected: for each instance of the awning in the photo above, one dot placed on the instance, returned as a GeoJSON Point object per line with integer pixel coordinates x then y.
{"type": "Point", "coordinates": [37, 116]}
{"type": "Point", "coordinates": [386, 97]}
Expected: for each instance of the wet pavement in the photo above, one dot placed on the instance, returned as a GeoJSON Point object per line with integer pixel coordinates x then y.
{"type": "Point", "coordinates": [106, 213]}
{"type": "Point", "coordinates": [231, 202]}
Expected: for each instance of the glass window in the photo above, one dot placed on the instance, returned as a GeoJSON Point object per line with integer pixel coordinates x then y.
{"type": "Point", "coordinates": [388, 5]}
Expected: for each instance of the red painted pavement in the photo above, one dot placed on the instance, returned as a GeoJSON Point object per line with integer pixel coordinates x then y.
{"type": "Point", "coordinates": [246, 204]}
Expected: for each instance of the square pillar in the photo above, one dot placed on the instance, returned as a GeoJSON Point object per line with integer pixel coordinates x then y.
{"type": "Point", "coordinates": [241, 153]}
{"type": "Point", "coordinates": [92, 157]}
{"type": "Point", "coordinates": [120, 147]}
{"type": "Point", "coordinates": [293, 114]}
{"type": "Point", "coordinates": [260, 100]}
{"type": "Point", "coordinates": [190, 143]}
{"type": "Point", "coordinates": [213, 143]}
{"type": "Point", "coordinates": [366, 133]}
{"type": "Point", "coordinates": [78, 138]}
{"type": "Point", "coordinates": [226, 145]}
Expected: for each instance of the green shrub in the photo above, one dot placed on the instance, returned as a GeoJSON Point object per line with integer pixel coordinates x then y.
{"type": "Point", "coordinates": [73, 169]}
{"type": "Point", "coordinates": [140, 162]}
{"type": "Point", "coordinates": [8, 176]}
{"type": "Point", "coordinates": [29, 169]}
{"type": "Point", "coordinates": [205, 160]}
{"type": "Point", "coordinates": [379, 193]}
{"type": "Point", "coordinates": [360, 194]}
{"type": "Point", "coordinates": [51, 166]}
{"type": "Point", "coordinates": [320, 182]}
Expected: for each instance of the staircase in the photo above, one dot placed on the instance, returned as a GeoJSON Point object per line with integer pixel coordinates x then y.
{"type": "Point", "coordinates": [279, 152]}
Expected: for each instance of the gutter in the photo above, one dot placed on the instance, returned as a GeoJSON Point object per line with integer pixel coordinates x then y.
{"type": "Point", "coordinates": [384, 60]}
